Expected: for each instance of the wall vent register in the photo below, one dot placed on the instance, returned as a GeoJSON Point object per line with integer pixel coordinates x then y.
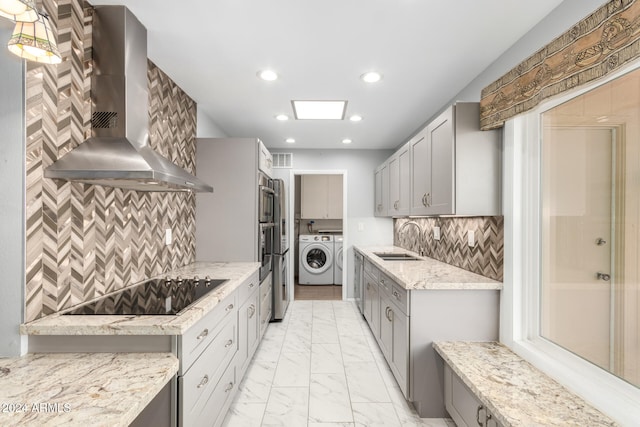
{"type": "Point", "coordinates": [282, 160]}
{"type": "Point", "coordinates": [152, 297]}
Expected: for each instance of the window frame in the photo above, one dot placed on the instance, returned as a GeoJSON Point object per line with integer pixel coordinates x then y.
{"type": "Point", "coordinates": [520, 302]}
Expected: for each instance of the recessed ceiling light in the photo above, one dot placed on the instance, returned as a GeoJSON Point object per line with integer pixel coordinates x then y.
{"type": "Point", "coordinates": [290, 140]}
{"type": "Point", "coordinates": [282, 117]}
{"type": "Point", "coordinates": [346, 141]}
{"type": "Point", "coordinates": [371, 77]}
{"type": "Point", "coordinates": [319, 110]}
{"type": "Point", "coordinates": [355, 118]}
{"type": "Point", "coordinates": [268, 75]}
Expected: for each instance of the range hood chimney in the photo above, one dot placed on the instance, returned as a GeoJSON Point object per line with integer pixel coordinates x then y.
{"type": "Point", "coordinates": [118, 153]}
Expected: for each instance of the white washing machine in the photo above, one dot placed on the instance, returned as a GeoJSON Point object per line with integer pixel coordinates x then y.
{"type": "Point", "coordinates": [337, 256]}
{"type": "Point", "coordinates": [316, 259]}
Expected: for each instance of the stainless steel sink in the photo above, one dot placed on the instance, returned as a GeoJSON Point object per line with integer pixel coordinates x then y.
{"type": "Point", "coordinates": [391, 256]}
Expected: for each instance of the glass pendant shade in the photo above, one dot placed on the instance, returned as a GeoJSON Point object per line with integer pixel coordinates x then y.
{"type": "Point", "coordinates": [34, 41]}
{"type": "Point", "coordinates": [19, 10]}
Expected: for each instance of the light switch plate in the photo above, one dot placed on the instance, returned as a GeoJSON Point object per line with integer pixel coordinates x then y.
{"type": "Point", "coordinates": [436, 233]}
{"type": "Point", "coordinates": [361, 226]}
{"type": "Point", "coordinates": [471, 238]}
{"type": "Point", "coordinates": [167, 236]}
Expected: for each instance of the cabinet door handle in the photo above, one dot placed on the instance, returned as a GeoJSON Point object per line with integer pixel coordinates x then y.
{"type": "Point", "coordinates": [228, 388]}
{"type": "Point", "coordinates": [396, 294]}
{"type": "Point", "coordinates": [424, 200]}
{"type": "Point", "coordinates": [203, 334]}
{"type": "Point", "coordinates": [203, 381]}
{"type": "Point", "coordinates": [252, 311]}
{"type": "Point", "coordinates": [390, 315]}
{"type": "Point", "coordinates": [228, 344]}
{"type": "Point", "coordinates": [428, 199]}
{"type": "Point", "coordinates": [251, 285]}
{"type": "Point", "coordinates": [478, 420]}
{"type": "Point", "coordinates": [229, 307]}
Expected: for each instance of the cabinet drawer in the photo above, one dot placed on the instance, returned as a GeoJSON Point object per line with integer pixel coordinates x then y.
{"type": "Point", "coordinates": [371, 269]}
{"type": "Point", "coordinates": [218, 402]}
{"type": "Point", "coordinates": [245, 290]}
{"type": "Point", "coordinates": [385, 284]}
{"type": "Point", "coordinates": [200, 335]}
{"type": "Point", "coordinates": [197, 385]}
{"type": "Point", "coordinates": [400, 296]}
{"type": "Point", "coordinates": [221, 397]}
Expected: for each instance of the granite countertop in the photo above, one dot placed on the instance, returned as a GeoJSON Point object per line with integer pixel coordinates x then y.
{"type": "Point", "coordinates": [81, 389]}
{"type": "Point", "coordinates": [427, 273]}
{"type": "Point", "coordinates": [236, 272]}
{"type": "Point", "coordinates": [515, 391]}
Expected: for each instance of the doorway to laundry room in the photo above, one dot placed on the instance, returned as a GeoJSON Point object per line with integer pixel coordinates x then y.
{"type": "Point", "coordinates": [318, 233]}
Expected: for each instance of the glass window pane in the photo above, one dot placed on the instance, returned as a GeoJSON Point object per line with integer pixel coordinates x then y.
{"type": "Point", "coordinates": [590, 297]}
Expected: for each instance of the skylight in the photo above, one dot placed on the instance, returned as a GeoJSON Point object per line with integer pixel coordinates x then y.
{"type": "Point", "coordinates": [319, 110]}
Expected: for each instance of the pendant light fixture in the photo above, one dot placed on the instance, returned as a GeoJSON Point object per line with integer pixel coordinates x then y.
{"type": "Point", "coordinates": [19, 10]}
{"type": "Point", "coordinates": [34, 41]}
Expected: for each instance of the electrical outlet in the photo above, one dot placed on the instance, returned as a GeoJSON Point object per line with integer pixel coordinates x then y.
{"type": "Point", "coordinates": [167, 236]}
{"type": "Point", "coordinates": [471, 238]}
{"type": "Point", "coordinates": [436, 233]}
{"type": "Point", "coordinates": [361, 226]}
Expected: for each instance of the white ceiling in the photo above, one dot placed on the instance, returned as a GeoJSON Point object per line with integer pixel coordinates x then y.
{"type": "Point", "coordinates": [427, 50]}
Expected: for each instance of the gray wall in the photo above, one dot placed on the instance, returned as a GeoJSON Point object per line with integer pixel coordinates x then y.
{"type": "Point", "coordinates": [12, 188]}
{"type": "Point", "coordinates": [207, 127]}
{"type": "Point", "coordinates": [359, 166]}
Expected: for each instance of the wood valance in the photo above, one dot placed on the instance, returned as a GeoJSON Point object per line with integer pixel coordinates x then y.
{"type": "Point", "coordinates": [591, 49]}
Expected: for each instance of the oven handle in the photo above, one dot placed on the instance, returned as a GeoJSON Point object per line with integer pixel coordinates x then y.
{"type": "Point", "coordinates": [266, 189]}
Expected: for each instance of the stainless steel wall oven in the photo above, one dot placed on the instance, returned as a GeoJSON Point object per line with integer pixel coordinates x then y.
{"type": "Point", "coordinates": [265, 198]}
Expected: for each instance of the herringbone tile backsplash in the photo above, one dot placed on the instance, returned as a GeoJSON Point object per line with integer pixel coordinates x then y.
{"type": "Point", "coordinates": [84, 241]}
{"type": "Point", "coordinates": [485, 258]}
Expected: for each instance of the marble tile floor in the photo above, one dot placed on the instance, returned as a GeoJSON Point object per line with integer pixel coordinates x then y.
{"type": "Point", "coordinates": [321, 367]}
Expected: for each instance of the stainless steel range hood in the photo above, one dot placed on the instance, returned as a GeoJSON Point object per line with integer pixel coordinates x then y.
{"type": "Point", "coordinates": [118, 154]}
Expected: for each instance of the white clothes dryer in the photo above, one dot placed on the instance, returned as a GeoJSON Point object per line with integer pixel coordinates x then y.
{"type": "Point", "coordinates": [337, 256]}
{"type": "Point", "coordinates": [316, 263]}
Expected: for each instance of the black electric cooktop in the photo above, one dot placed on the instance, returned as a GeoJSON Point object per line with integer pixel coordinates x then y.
{"type": "Point", "coordinates": [156, 296]}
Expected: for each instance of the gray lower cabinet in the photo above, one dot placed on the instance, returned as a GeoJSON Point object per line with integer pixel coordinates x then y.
{"type": "Point", "coordinates": [371, 300]}
{"type": "Point", "coordinates": [465, 408]}
{"type": "Point", "coordinates": [266, 303]}
{"type": "Point", "coordinates": [206, 354]}
{"type": "Point", "coordinates": [394, 329]}
{"type": "Point", "coordinates": [406, 323]}
{"type": "Point", "coordinates": [248, 324]}
{"type": "Point", "coordinates": [214, 355]}
{"type": "Point", "coordinates": [394, 340]}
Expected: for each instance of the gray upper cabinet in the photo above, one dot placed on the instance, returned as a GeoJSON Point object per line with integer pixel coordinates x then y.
{"type": "Point", "coordinates": [381, 177]}
{"type": "Point", "coordinates": [454, 169]}
{"type": "Point", "coordinates": [227, 219]}
{"type": "Point", "coordinates": [433, 168]}
{"type": "Point", "coordinates": [265, 159]}
{"type": "Point", "coordinates": [400, 182]}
